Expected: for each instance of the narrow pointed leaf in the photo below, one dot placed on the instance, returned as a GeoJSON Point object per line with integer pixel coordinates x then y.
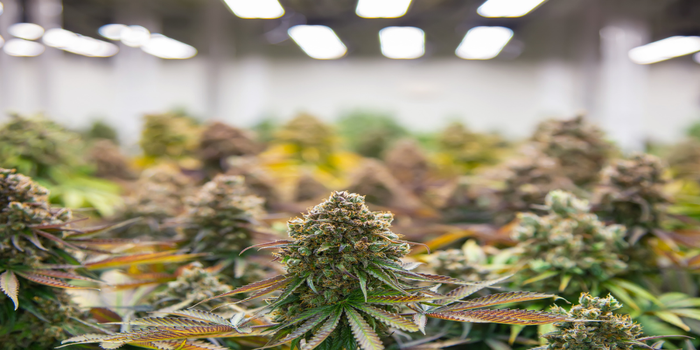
{"type": "Point", "coordinates": [322, 333]}
{"type": "Point", "coordinates": [503, 316]}
{"type": "Point", "coordinates": [273, 244]}
{"type": "Point", "coordinates": [391, 319]}
{"type": "Point", "coordinates": [363, 283]}
{"type": "Point", "coordinates": [35, 241]}
{"type": "Point", "coordinates": [200, 315]}
{"type": "Point", "coordinates": [252, 287]}
{"type": "Point", "coordinates": [140, 259]}
{"type": "Point", "coordinates": [465, 291]}
{"type": "Point", "coordinates": [400, 299]}
{"type": "Point", "coordinates": [384, 277]}
{"type": "Point", "coordinates": [61, 274]}
{"type": "Point", "coordinates": [301, 330]}
{"type": "Point", "coordinates": [495, 299]}
{"type": "Point", "coordinates": [10, 286]}
{"type": "Point", "coordinates": [426, 277]}
{"type": "Point", "coordinates": [366, 338]}
{"type": "Point", "coordinates": [51, 282]}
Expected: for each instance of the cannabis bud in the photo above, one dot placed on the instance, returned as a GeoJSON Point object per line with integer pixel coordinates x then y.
{"type": "Point", "coordinates": [579, 147]}
{"type": "Point", "coordinates": [168, 135]}
{"type": "Point", "coordinates": [631, 192]}
{"type": "Point", "coordinates": [614, 332]}
{"type": "Point", "coordinates": [109, 161]}
{"type": "Point", "coordinates": [382, 187]}
{"type": "Point", "coordinates": [570, 241]}
{"type": "Point", "coordinates": [470, 149]}
{"type": "Point", "coordinates": [311, 140]}
{"type": "Point", "coordinates": [409, 165]}
{"type": "Point", "coordinates": [219, 213]}
{"type": "Point", "coordinates": [220, 141]}
{"type": "Point", "coordinates": [193, 283]}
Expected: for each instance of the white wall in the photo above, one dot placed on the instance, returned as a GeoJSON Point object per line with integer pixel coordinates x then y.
{"type": "Point", "coordinates": [510, 96]}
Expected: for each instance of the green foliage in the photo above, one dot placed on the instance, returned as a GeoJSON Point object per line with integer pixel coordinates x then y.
{"type": "Point", "coordinates": [470, 150]}
{"type": "Point", "coordinates": [168, 135]}
{"type": "Point", "coordinates": [369, 133]}
{"type": "Point", "coordinates": [569, 247]}
{"type": "Point", "coordinates": [101, 130]}
{"type": "Point", "coordinates": [193, 283]}
{"type": "Point", "coordinates": [311, 140]}
{"type": "Point", "coordinates": [579, 147]}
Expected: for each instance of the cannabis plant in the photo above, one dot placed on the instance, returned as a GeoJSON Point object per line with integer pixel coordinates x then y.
{"type": "Point", "coordinates": [193, 283]}
{"type": "Point", "coordinates": [526, 183]}
{"type": "Point", "coordinates": [109, 161]}
{"type": "Point", "coordinates": [569, 246]}
{"type": "Point", "coordinates": [579, 147]}
{"type": "Point", "coordinates": [466, 200]}
{"type": "Point", "coordinates": [219, 218]}
{"type": "Point", "coordinates": [99, 130]}
{"type": "Point", "coordinates": [220, 141]}
{"type": "Point", "coordinates": [257, 179]}
{"type": "Point", "coordinates": [684, 160]}
{"type": "Point", "coordinates": [310, 140]}
{"type": "Point", "coordinates": [606, 331]}
{"type": "Point", "coordinates": [368, 133]}
{"type": "Point", "coordinates": [309, 188]}
{"type": "Point", "coordinates": [168, 135]}
{"type": "Point", "coordinates": [408, 163]}
{"type": "Point", "coordinates": [383, 189]}
{"type": "Point", "coordinates": [631, 193]}
{"type": "Point", "coordinates": [470, 150]}
{"type": "Point", "coordinates": [345, 287]}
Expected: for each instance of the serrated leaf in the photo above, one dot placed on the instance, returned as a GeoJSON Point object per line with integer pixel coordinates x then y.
{"type": "Point", "coordinates": [385, 278]}
{"type": "Point", "coordinates": [495, 299]}
{"type": "Point", "coordinates": [51, 282]}
{"type": "Point", "coordinates": [465, 291]}
{"type": "Point", "coordinates": [301, 330]}
{"type": "Point", "coordinates": [61, 274]}
{"type": "Point", "coordinates": [166, 322]}
{"type": "Point", "coordinates": [10, 286]}
{"type": "Point", "coordinates": [420, 320]}
{"type": "Point", "coordinates": [363, 283]}
{"type": "Point", "coordinates": [426, 277]}
{"type": "Point", "coordinates": [200, 315]}
{"type": "Point", "coordinates": [141, 259]}
{"type": "Point", "coordinates": [322, 333]}
{"type": "Point", "coordinates": [502, 316]}
{"type": "Point", "coordinates": [391, 319]}
{"type": "Point", "coordinates": [673, 319]}
{"type": "Point", "coordinates": [400, 299]}
{"type": "Point", "coordinates": [366, 338]}
{"type": "Point", "coordinates": [252, 287]}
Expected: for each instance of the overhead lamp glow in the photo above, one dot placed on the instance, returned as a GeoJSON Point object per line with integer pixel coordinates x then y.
{"type": "Point", "coordinates": [508, 8]}
{"type": "Point", "coordinates": [319, 42]}
{"type": "Point", "coordinates": [2, 41]}
{"type": "Point", "coordinates": [266, 9]}
{"type": "Point", "coordinates": [28, 31]}
{"type": "Point", "coordinates": [78, 44]}
{"type": "Point", "coordinates": [402, 42]}
{"type": "Point", "coordinates": [112, 31]}
{"type": "Point", "coordinates": [23, 48]}
{"type": "Point", "coordinates": [483, 43]}
{"type": "Point", "coordinates": [382, 8]}
{"type": "Point", "coordinates": [696, 57]}
{"type": "Point", "coordinates": [167, 48]}
{"type": "Point", "coordinates": [134, 36]}
{"type": "Point", "coordinates": [665, 49]}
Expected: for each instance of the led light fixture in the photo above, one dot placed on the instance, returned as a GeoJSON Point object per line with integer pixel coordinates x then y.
{"type": "Point", "coordinates": [319, 42]}
{"type": "Point", "coordinates": [78, 44]}
{"type": "Point", "coordinates": [27, 31]}
{"type": "Point", "coordinates": [266, 9]}
{"type": "Point", "coordinates": [402, 42]}
{"type": "Point", "coordinates": [23, 48]}
{"type": "Point", "coordinates": [382, 8]}
{"type": "Point", "coordinates": [665, 49]}
{"type": "Point", "coordinates": [508, 8]}
{"type": "Point", "coordinates": [167, 48]}
{"type": "Point", "coordinates": [483, 43]}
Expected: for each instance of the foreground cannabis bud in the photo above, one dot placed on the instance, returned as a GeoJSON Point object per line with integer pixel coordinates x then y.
{"type": "Point", "coordinates": [220, 215]}
{"type": "Point", "coordinates": [612, 332]}
{"type": "Point", "coordinates": [569, 244]}
{"type": "Point", "coordinates": [631, 193]}
{"type": "Point", "coordinates": [168, 135]}
{"type": "Point", "coordinates": [193, 283]}
{"type": "Point", "coordinates": [579, 147]}
{"type": "Point", "coordinates": [220, 141]}
{"type": "Point", "coordinates": [409, 165]}
{"type": "Point", "coordinates": [344, 272]}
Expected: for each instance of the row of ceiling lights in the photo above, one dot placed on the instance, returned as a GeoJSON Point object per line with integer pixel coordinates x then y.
{"type": "Point", "coordinates": [481, 43]}
{"type": "Point", "coordinates": [24, 44]}
{"type": "Point", "coordinates": [321, 42]}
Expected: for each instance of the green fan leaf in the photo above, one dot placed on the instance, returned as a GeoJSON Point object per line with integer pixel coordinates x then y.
{"type": "Point", "coordinates": [366, 338]}
{"type": "Point", "coordinates": [391, 319]}
{"type": "Point", "coordinates": [10, 286]}
{"type": "Point", "coordinates": [322, 333]}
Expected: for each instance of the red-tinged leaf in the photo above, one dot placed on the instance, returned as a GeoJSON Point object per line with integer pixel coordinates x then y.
{"type": "Point", "coordinates": [104, 315]}
{"type": "Point", "coordinates": [389, 318]}
{"type": "Point", "coordinates": [180, 345]}
{"type": "Point", "coordinates": [322, 333]}
{"type": "Point", "coordinates": [252, 287]}
{"type": "Point", "coordinates": [400, 299]}
{"type": "Point", "coordinates": [494, 299]}
{"type": "Point", "coordinates": [426, 277]}
{"type": "Point", "coordinates": [200, 315]}
{"type": "Point", "coordinates": [84, 339]}
{"type": "Point", "coordinates": [141, 283]}
{"type": "Point", "coordinates": [35, 241]}
{"type": "Point", "coordinates": [273, 244]}
{"type": "Point", "coordinates": [150, 276]}
{"type": "Point", "coordinates": [503, 316]}
{"type": "Point", "coordinates": [61, 274]}
{"type": "Point", "coordinates": [139, 259]}
{"type": "Point", "coordinates": [465, 291]}
{"type": "Point", "coordinates": [51, 282]}
{"type": "Point", "coordinates": [101, 229]}
{"type": "Point", "coordinates": [167, 322]}
{"type": "Point", "coordinates": [55, 239]}
{"type": "Point", "coordinates": [366, 338]}
{"type": "Point", "coordinates": [275, 287]}
{"type": "Point", "coordinates": [10, 286]}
